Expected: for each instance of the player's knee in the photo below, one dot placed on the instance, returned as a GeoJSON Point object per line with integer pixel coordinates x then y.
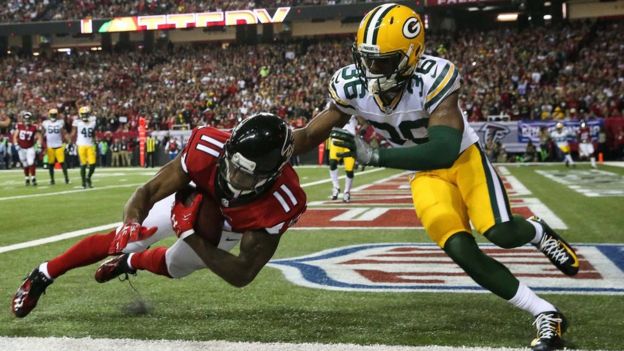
{"type": "Point", "coordinates": [349, 174]}
{"type": "Point", "coordinates": [333, 164]}
{"type": "Point", "coordinates": [502, 235]}
{"type": "Point", "coordinates": [459, 246]}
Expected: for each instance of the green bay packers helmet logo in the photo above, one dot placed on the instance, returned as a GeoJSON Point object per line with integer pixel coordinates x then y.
{"type": "Point", "coordinates": [411, 28]}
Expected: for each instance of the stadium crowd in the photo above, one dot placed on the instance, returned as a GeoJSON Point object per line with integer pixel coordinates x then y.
{"type": "Point", "coordinates": [39, 10]}
{"type": "Point", "coordinates": [568, 72]}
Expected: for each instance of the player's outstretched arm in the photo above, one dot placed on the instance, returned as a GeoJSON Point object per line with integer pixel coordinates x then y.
{"type": "Point", "coordinates": [318, 129]}
{"type": "Point", "coordinates": [446, 126]}
{"type": "Point", "coordinates": [256, 249]}
{"type": "Point", "coordinates": [169, 179]}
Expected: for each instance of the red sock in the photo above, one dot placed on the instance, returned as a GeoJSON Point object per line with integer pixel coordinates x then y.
{"type": "Point", "coordinates": [33, 170]}
{"type": "Point", "coordinates": [26, 170]}
{"type": "Point", "coordinates": [85, 252]}
{"type": "Point", "coordinates": [151, 260]}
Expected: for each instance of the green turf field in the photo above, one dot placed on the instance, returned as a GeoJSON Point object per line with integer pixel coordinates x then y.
{"type": "Point", "coordinates": [202, 307]}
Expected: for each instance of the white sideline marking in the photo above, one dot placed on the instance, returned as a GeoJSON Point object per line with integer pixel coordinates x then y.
{"type": "Point", "coordinates": [69, 191]}
{"type": "Point", "coordinates": [137, 184]}
{"type": "Point", "coordinates": [89, 344]}
{"type": "Point", "coordinates": [59, 237]}
{"type": "Point", "coordinates": [81, 232]}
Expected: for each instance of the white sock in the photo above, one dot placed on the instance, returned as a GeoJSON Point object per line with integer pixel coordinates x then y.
{"type": "Point", "coordinates": [130, 260]}
{"type": "Point", "coordinates": [526, 299]}
{"type": "Point", "coordinates": [569, 158]}
{"type": "Point", "coordinates": [539, 232]}
{"type": "Point", "coordinates": [593, 161]}
{"type": "Point", "coordinates": [348, 183]}
{"type": "Point", "coordinates": [43, 268]}
{"type": "Point", "coordinates": [334, 177]}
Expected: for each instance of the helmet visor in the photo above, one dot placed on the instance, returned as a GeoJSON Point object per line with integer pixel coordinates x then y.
{"type": "Point", "coordinates": [239, 174]}
{"type": "Point", "coordinates": [382, 65]}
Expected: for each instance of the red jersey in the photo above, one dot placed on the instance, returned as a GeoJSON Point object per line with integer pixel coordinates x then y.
{"type": "Point", "coordinates": [26, 135]}
{"type": "Point", "coordinates": [584, 135]}
{"type": "Point", "coordinates": [277, 209]}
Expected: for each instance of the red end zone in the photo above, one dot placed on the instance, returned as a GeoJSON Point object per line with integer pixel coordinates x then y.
{"type": "Point", "coordinates": [388, 204]}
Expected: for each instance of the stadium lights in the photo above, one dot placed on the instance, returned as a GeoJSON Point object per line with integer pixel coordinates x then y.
{"type": "Point", "coordinates": [63, 49]}
{"type": "Point", "coordinates": [473, 9]}
{"type": "Point", "coordinates": [547, 17]}
{"type": "Point", "coordinates": [96, 48]}
{"type": "Point", "coordinates": [507, 17]}
{"type": "Point", "coordinates": [547, 3]}
{"type": "Point", "coordinates": [35, 53]}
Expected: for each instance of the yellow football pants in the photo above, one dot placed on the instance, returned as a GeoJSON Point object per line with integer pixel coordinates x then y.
{"type": "Point", "coordinates": [86, 154]}
{"type": "Point", "coordinates": [349, 162]}
{"type": "Point", "coordinates": [447, 200]}
{"type": "Point", "coordinates": [56, 154]}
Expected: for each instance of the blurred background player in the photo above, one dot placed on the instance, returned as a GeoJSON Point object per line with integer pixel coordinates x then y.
{"type": "Point", "coordinates": [586, 147]}
{"type": "Point", "coordinates": [24, 138]}
{"type": "Point", "coordinates": [560, 136]}
{"type": "Point", "coordinates": [55, 135]}
{"type": "Point", "coordinates": [84, 128]}
{"type": "Point", "coordinates": [349, 164]}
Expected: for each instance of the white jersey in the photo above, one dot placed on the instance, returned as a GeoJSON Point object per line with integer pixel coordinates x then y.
{"type": "Point", "coordinates": [53, 132]}
{"type": "Point", "coordinates": [406, 124]}
{"type": "Point", "coordinates": [560, 137]}
{"type": "Point", "coordinates": [351, 126]}
{"type": "Point", "coordinates": [85, 131]}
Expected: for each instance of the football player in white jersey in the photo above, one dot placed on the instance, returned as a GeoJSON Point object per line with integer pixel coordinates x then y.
{"type": "Point", "coordinates": [412, 100]}
{"type": "Point", "coordinates": [560, 136]}
{"type": "Point", "coordinates": [84, 128]}
{"type": "Point", "coordinates": [348, 161]}
{"type": "Point", "coordinates": [55, 137]}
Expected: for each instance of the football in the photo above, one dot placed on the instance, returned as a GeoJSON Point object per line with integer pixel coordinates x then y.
{"type": "Point", "coordinates": [209, 223]}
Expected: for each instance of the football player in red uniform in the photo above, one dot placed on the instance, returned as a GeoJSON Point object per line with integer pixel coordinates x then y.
{"type": "Point", "coordinates": [246, 175]}
{"type": "Point", "coordinates": [586, 146]}
{"type": "Point", "coordinates": [24, 138]}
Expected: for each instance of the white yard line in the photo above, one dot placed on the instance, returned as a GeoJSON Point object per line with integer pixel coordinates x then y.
{"type": "Point", "coordinates": [82, 232]}
{"type": "Point", "coordinates": [89, 344]}
{"type": "Point", "coordinates": [58, 237]}
{"type": "Point", "coordinates": [16, 197]}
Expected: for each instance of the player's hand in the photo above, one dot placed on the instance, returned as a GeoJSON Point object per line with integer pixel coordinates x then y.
{"type": "Point", "coordinates": [129, 232]}
{"type": "Point", "coordinates": [358, 148]}
{"type": "Point", "coordinates": [183, 217]}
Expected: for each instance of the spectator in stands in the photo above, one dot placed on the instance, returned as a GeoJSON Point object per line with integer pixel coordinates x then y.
{"type": "Point", "coordinates": [125, 152]}
{"type": "Point", "coordinates": [103, 147]}
{"type": "Point", "coordinates": [530, 153]}
{"type": "Point", "coordinates": [116, 153]}
{"type": "Point", "coordinates": [172, 147]}
{"type": "Point", "coordinates": [150, 148]}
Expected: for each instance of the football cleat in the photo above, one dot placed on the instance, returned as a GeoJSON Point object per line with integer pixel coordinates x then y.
{"type": "Point", "coordinates": [558, 251]}
{"type": "Point", "coordinates": [346, 197]}
{"type": "Point", "coordinates": [89, 184]}
{"type": "Point", "coordinates": [550, 327]}
{"type": "Point", "coordinates": [113, 268]}
{"type": "Point", "coordinates": [28, 294]}
{"type": "Point", "coordinates": [335, 193]}
{"type": "Point", "coordinates": [27, 182]}
{"type": "Point", "coordinates": [52, 182]}
{"type": "Point", "coordinates": [34, 182]}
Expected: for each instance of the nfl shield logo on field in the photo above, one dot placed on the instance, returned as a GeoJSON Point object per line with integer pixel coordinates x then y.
{"type": "Point", "coordinates": [425, 267]}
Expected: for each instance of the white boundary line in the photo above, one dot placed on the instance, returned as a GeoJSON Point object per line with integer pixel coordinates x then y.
{"type": "Point", "coordinates": [91, 344]}
{"type": "Point", "coordinates": [85, 231]}
{"type": "Point", "coordinates": [58, 237]}
{"type": "Point", "coordinates": [16, 197]}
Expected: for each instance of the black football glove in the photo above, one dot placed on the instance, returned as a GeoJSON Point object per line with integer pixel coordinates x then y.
{"type": "Point", "coordinates": [358, 148]}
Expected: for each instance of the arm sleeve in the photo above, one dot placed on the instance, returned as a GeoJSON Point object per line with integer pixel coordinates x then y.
{"type": "Point", "coordinates": [439, 152]}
